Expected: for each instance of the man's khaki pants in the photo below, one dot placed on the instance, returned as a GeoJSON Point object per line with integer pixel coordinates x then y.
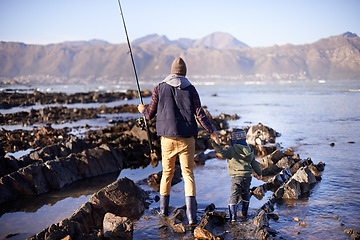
{"type": "Point", "coordinates": [171, 147]}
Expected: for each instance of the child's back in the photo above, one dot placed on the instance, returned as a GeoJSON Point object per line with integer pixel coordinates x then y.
{"type": "Point", "coordinates": [241, 163]}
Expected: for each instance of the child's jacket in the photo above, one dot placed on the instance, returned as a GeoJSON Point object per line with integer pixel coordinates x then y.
{"type": "Point", "coordinates": [241, 160]}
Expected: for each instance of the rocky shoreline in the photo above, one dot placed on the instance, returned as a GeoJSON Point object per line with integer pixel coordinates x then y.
{"type": "Point", "coordinates": [295, 179]}
{"type": "Point", "coordinates": [10, 98]}
{"type": "Point", "coordinates": [60, 159]}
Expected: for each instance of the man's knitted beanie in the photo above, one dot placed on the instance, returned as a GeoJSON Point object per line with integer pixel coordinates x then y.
{"type": "Point", "coordinates": [178, 67]}
{"type": "Point", "coordinates": [238, 134]}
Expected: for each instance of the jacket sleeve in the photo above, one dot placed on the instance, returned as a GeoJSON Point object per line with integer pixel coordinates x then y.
{"type": "Point", "coordinates": [151, 110]}
{"type": "Point", "coordinates": [256, 166]}
{"type": "Point", "coordinates": [200, 113]}
{"type": "Point", "coordinates": [223, 153]}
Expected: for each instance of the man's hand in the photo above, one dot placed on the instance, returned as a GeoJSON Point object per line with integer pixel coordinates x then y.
{"type": "Point", "coordinates": [215, 138]}
{"type": "Point", "coordinates": [141, 108]}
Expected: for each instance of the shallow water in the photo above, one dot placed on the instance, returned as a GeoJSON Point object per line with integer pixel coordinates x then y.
{"type": "Point", "coordinates": [309, 116]}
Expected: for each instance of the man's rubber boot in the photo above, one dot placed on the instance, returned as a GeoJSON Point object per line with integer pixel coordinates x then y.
{"type": "Point", "coordinates": [164, 205]}
{"type": "Point", "coordinates": [191, 209]}
{"type": "Point", "coordinates": [232, 212]}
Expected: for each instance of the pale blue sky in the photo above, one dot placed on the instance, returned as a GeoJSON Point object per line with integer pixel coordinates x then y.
{"type": "Point", "coordinates": [254, 22]}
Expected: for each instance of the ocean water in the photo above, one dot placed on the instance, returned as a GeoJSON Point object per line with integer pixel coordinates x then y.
{"type": "Point", "coordinates": [309, 116]}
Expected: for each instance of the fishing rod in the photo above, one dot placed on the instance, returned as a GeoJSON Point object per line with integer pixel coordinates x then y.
{"type": "Point", "coordinates": [136, 77]}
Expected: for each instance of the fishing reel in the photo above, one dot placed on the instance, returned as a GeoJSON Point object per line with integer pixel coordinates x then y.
{"type": "Point", "coordinates": [141, 123]}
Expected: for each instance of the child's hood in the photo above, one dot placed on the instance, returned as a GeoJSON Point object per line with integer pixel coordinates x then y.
{"type": "Point", "coordinates": [243, 151]}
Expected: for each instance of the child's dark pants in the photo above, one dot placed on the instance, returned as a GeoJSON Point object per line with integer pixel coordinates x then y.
{"type": "Point", "coordinates": [240, 186]}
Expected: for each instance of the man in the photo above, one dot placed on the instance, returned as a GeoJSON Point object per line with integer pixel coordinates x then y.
{"type": "Point", "coordinates": [176, 103]}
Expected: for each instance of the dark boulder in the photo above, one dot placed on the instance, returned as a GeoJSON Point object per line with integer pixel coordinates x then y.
{"type": "Point", "coordinates": [121, 198]}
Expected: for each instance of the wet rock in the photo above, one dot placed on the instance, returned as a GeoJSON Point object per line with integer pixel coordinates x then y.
{"type": "Point", "coordinates": [84, 216]}
{"type": "Point", "coordinates": [179, 214]}
{"type": "Point", "coordinates": [122, 198]}
{"type": "Point", "coordinates": [8, 164]}
{"type": "Point", "coordinates": [45, 175]}
{"type": "Point", "coordinates": [218, 218]}
{"type": "Point", "coordinates": [210, 207]}
{"type": "Point", "coordinates": [296, 167]}
{"type": "Point", "coordinates": [17, 140]}
{"type": "Point", "coordinates": [285, 162]}
{"type": "Point", "coordinates": [268, 206]}
{"type": "Point", "coordinates": [6, 191]}
{"type": "Point", "coordinates": [206, 222]}
{"type": "Point", "coordinates": [220, 122]}
{"type": "Point", "coordinates": [60, 230]}
{"type": "Point", "coordinates": [94, 162]}
{"type": "Point", "coordinates": [290, 190]}
{"type": "Point", "coordinates": [154, 179]}
{"type": "Point", "coordinates": [60, 114]}
{"type": "Point", "coordinates": [320, 166]}
{"type": "Point", "coordinates": [22, 182]}
{"type": "Point", "coordinates": [300, 183]}
{"type": "Point", "coordinates": [201, 158]}
{"type": "Point", "coordinates": [271, 159]}
{"type": "Point", "coordinates": [136, 152]}
{"type": "Point", "coordinates": [201, 233]}
{"type": "Point", "coordinates": [271, 171]}
{"type": "Point", "coordinates": [2, 152]}
{"type": "Point", "coordinates": [303, 224]}
{"type": "Point", "coordinates": [117, 155]}
{"type": "Point", "coordinates": [304, 175]}
{"type": "Point", "coordinates": [210, 219]}
{"type": "Point", "coordinates": [315, 172]}
{"type": "Point", "coordinates": [261, 220]}
{"type": "Point", "coordinates": [115, 227]}
{"type": "Point", "coordinates": [54, 151]}
{"type": "Point", "coordinates": [273, 216]}
{"type": "Point", "coordinates": [262, 233]}
{"type": "Point", "coordinates": [278, 180]}
{"type": "Point", "coordinates": [202, 142]}
{"type": "Point", "coordinates": [178, 227]}
{"type": "Point", "coordinates": [352, 233]}
{"type": "Point", "coordinates": [139, 133]}
{"type": "Point", "coordinates": [10, 235]}
{"type": "Point", "coordinates": [10, 100]}
{"type": "Point", "coordinates": [289, 152]}
{"type": "Point", "coordinates": [258, 192]}
{"type": "Point", "coordinates": [260, 135]}
{"type": "Point", "coordinates": [60, 172]}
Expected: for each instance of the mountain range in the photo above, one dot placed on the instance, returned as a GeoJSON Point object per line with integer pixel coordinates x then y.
{"type": "Point", "coordinates": [218, 56]}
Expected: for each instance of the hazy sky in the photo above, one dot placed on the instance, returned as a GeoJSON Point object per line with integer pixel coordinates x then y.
{"type": "Point", "coordinates": [254, 22]}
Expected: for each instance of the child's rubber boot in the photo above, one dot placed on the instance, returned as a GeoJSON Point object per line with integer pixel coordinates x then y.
{"type": "Point", "coordinates": [232, 212]}
{"type": "Point", "coordinates": [244, 209]}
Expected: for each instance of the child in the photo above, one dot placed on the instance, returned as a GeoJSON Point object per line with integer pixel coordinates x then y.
{"type": "Point", "coordinates": [241, 161]}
